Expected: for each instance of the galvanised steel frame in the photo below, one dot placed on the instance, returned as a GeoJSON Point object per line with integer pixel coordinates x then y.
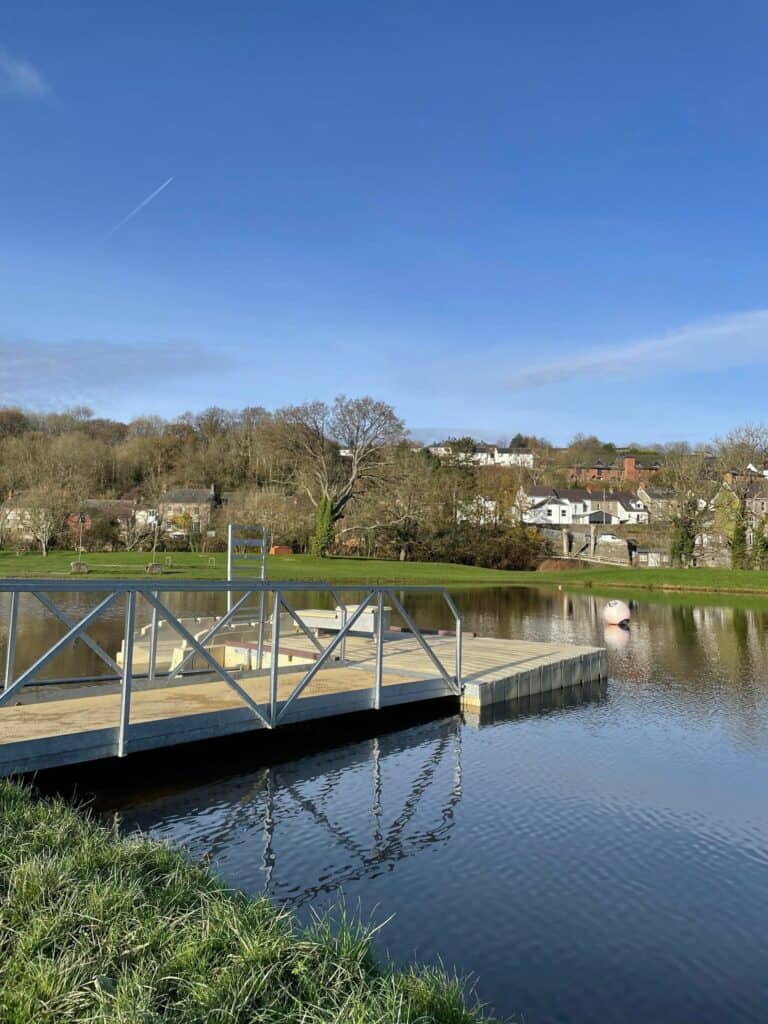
{"type": "Point", "coordinates": [130, 591]}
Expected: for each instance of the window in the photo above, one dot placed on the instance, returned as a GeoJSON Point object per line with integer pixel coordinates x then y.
{"type": "Point", "coordinates": [549, 512]}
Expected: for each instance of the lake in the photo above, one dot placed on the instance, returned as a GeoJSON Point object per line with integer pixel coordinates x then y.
{"type": "Point", "coordinates": [591, 857]}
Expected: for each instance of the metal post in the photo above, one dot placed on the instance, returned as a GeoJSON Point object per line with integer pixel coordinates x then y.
{"type": "Point", "coordinates": [263, 576]}
{"type": "Point", "coordinates": [260, 645]}
{"type": "Point", "coordinates": [230, 553]}
{"type": "Point", "coordinates": [274, 659]}
{"type": "Point", "coordinates": [459, 624]}
{"type": "Point", "coordinates": [459, 683]}
{"type": "Point", "coordinates": [341, 604]}
{"type": "Point", "coordinates": [10, 654]}
{"type": "Point", "coordinates": [153, 643]}
{"type": "Point", "coordinates": [379, 649]}
{"type": "Point", "coordinates": [125, 696]}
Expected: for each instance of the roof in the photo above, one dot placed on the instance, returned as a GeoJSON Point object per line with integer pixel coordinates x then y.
{"type": "Point", "coordinates": [625, 497]}
{"type": "Point", "coordinates": [565, 493]}
{"type": "Point", "coordinates": [659, 493]}
{"type": "Point", "coordinates": [189, 495]}
{"type": "Point", "coordinates": [601, 517]}
{"type": "Point", "coordinates": [115, 507]}
{"type": "Point", "coordinates": [758, 489]}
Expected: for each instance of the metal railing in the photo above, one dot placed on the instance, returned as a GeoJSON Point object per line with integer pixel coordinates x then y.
{"type": "Point", "coordinates": [271, 714]}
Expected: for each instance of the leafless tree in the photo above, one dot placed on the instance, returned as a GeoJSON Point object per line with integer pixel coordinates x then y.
{"type": "Point", "coordinates": [45, 511]}
{"type": "Point", "coordinates": [337, 450]}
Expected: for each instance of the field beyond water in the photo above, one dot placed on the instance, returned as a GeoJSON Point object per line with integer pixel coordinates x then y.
{"type": "Point", "coordinates": [94, 927]}
{"type": "Point", "coordinates": [188, 565]}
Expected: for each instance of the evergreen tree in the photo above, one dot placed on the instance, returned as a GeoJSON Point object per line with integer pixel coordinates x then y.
{"type": "Point", "coordinates": [685, 523]}
{"type": "Point", "coordinates": [760, 547]}
{"type": "Point", "coordinates": [323, 537]}
{"type": "Point", "coordinates": [739, 540]}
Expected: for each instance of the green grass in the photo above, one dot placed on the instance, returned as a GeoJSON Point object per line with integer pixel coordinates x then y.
{"type": "Point", "coordinates": [122, 564]}
{"type": "Point", "coordinates": [98, 928]}
{"type": "Point", "coordinates": [734, 581]}
{"type": "Point", "coordinates": [185, 565]}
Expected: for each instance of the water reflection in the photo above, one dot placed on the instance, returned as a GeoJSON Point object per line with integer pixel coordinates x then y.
{"type": "Point", "coordinates": [355, 813]}
{"type": "Point", "coordinates": [324, 822]}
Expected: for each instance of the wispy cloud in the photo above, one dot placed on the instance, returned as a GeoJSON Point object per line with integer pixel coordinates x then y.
{"type": "Point", "coordinates": [20, 78]}
{"type": "Point", "coordinates": [51, 375]}
{"type": "Point", "coordinates": [142, 204]}
{"type": "Point", "coordinates": [724, 343]}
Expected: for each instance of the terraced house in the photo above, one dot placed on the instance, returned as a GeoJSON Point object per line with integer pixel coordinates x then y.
{"type": "Point", "coordinates": [183, 511]}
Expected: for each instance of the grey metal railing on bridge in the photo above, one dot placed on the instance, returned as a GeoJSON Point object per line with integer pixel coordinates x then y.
{"type": "Point", "coordinates": [271, 714]}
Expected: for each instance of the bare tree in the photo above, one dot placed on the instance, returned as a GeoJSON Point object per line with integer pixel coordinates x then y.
{"type": "Point", "coordinates": [337, 451]}
{"type": "Point", "coordinates": [695, 479]}
{"type": "Point", "coordinates": [45, 511]}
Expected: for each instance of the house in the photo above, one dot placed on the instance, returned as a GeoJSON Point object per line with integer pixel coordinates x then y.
{"type": "Point", "coordinates": [16, 517]}
{"type": "Point", "coordinates": [484, 454]}
{"type": "Point", "coordinates": [625, 469]}
{"type": "Point", "coordinates": [480, 511]}
{"type": "Point", "coordinates": [119, 512]}
{"type": "Point", "coordinates": [618, 507]}
{"type": "Point", "coordinates": [182, 511]}
{"type": "Point", "coordinates": [659, 501]}
{"type": "Point", "coordinates": [513, 457]}
{"type": "Point", "coordinates": [551, 506]}
{"type": "Point", "coordinates": [756, 508]}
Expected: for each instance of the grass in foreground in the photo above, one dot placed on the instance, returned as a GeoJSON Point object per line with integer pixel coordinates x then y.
{"type": "Point", "coordinates": [94, 927]}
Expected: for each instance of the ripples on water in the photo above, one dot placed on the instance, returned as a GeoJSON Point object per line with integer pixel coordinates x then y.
{"type": "Point", "coordinates": [602, 858]}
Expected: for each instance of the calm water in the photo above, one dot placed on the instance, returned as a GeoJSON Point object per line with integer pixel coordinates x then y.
{"type": "Point", "coordinates": [603, 859]}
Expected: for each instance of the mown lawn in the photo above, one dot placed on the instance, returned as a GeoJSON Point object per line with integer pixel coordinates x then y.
{"type": "Point", "coordinates": [185, 565]}
{"type": "Point", "coordinates": [122, 564]}
{"type": "Point", "coordinates": [735, 581]}
{"type": "Point", "coordinates": [94, 927]}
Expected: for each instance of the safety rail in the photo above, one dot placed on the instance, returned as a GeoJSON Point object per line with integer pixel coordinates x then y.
{"type": "Point", "coordinates": [271, 714]}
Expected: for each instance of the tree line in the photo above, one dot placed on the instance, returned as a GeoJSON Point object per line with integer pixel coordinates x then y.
{"type": "Point", "coordinates": [339, 477]}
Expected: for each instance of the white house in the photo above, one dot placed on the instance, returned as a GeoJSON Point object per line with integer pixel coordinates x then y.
{"type": "Point", "coordinates": [513, 457]}
{"type": "Point", "coordinates": [480, 511]}
{"type": "Point", "coordinates": [487, 454]}
{"type": "Point", "coordinates": [550, 506]}
{"type": "Point", "coordinates": [618, 507]}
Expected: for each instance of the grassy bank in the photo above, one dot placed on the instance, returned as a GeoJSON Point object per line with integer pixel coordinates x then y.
{"type": "Point", "coordinates": [94, 927]}
{"type": "Point", "coordinates": [186, 565]}
{"type": "Point", "coordinates": [122, 564]}
{"type": "Point", "coordinates": [721, 581]}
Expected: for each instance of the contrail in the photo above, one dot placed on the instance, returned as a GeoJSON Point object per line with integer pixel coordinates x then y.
{"type": "Point", "coordinates": [141, 206]}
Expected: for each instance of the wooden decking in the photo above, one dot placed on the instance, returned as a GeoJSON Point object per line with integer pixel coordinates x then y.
{"type": "Point", "coordinates": [53, 726]}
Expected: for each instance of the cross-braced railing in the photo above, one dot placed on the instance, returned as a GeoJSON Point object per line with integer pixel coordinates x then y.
{"type": "Point", "coordinates": [155, 593]}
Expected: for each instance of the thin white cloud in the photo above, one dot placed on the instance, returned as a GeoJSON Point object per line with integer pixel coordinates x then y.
{"type": "Point", "coordinates": [56, 374]}
{"type": "Point", "coordinates": [142, 204]}
{"type": "Point", "coordinates": [20, 78]}
{"type": "Point", "coordinates": [724, 343]}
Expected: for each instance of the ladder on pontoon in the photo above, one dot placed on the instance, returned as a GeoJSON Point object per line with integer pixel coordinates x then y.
{"type": "Point", "coordinates": [247, 550]}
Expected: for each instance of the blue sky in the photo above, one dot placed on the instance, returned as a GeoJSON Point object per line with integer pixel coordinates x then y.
{"type": "Point", "coordinates": [544, 217]}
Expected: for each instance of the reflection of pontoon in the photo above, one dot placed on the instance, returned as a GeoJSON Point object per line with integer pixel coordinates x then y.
{"type": "Point", "coordinates": [407, 784]}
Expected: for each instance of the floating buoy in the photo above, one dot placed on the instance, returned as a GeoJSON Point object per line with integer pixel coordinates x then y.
{"type": "Point", "coordinates": [616, 613]}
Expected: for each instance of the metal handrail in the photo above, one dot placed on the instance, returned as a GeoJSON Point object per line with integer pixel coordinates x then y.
{"type": "Point", "coordinates": [150, 591]}
{"type": "Point", "coordinates": [141, 585]}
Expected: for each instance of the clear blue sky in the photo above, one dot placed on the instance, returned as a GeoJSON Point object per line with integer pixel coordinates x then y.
{"type": "Point", "coordinates": [545, 217]}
